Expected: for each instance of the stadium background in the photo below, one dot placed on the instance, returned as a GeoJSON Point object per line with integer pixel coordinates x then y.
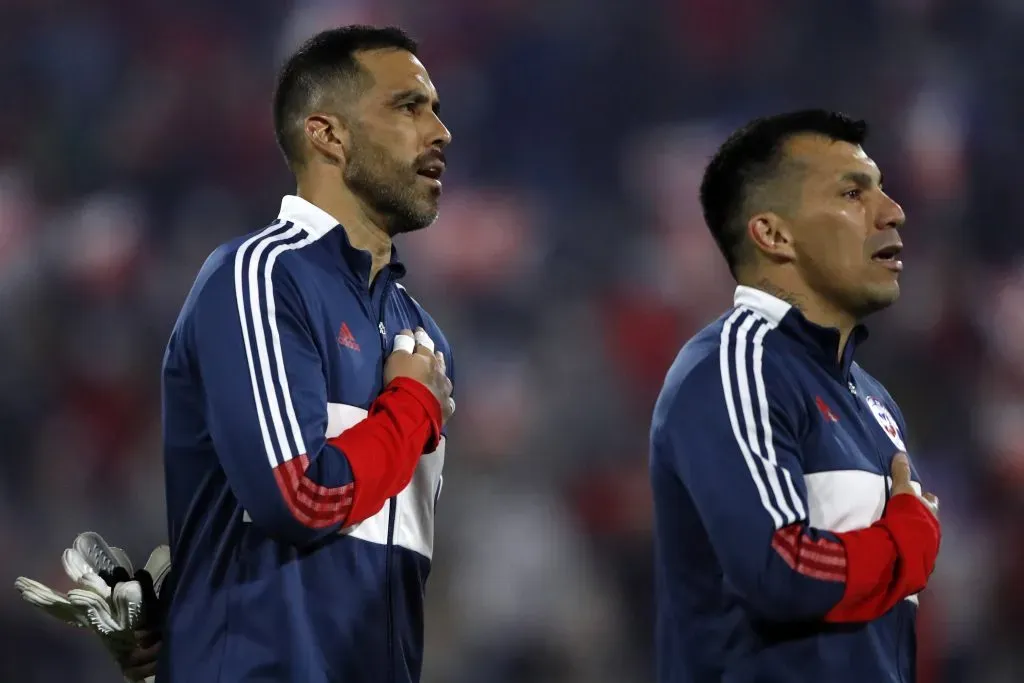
{"type": "Point", "coordinates": [567, 266]}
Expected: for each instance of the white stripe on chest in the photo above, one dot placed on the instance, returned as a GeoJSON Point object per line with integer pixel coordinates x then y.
{"type": "Point", "coordinates": [414, 507]}
{"type": "Point", "coordinates": [847, 500]}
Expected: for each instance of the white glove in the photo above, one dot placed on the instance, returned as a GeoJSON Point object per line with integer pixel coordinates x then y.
{"type": "Point", "coordinates": [108, 600]}
{"type": "Point", "coordinates": [51, 602]}
{"type": "Point", "coordinates": [80, 570]}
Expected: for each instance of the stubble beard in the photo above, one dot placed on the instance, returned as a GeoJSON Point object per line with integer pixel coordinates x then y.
{"type": "Point", "coordinates": [855, 297]}
{"type": "Point", "coordinates": [389, 189]}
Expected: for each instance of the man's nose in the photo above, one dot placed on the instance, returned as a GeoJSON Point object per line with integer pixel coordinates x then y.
{"type": "Point", "coordinates": [891, 216]}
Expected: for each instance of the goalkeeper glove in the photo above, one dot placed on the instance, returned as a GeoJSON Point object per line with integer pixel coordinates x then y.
{"type": "Point", "coordinates": [111, 598]}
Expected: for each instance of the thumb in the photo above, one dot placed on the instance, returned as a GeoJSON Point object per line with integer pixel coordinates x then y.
{"type": "Point", "coordinates": [900, 470]}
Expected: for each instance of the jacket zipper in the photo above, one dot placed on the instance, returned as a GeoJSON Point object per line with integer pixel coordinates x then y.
{"type": "Point", "coordinates": [899, 639]}
{"type": "Point", "coordinates": [392, 504]}
{"type": "Point", "coordinates": [881, 462]}
{"type": "Point", "coordinates": [881, 459]}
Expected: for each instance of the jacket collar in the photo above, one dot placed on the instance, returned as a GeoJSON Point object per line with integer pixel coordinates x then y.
{"type": "Point", "coordinates": [319, 223]}
{"type": "Point", "coordinates": [307, 215]}
{"type": "Point", "coordinates": [821, 342]}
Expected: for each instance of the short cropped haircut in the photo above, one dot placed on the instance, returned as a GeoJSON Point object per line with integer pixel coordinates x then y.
{"type": "Point", "coordinates": [327, 60]}
{"type": "Point", "coordinates": [751, 158]}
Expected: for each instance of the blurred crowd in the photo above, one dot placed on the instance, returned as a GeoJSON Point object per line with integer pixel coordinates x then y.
{"type": "Point", "coordinates": [569, 264]}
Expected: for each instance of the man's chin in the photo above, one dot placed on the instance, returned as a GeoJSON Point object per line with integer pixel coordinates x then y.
{"type": "Point", "coordinates": [880, 298]}
{"type": "Point", "coordinates": [413, 221]}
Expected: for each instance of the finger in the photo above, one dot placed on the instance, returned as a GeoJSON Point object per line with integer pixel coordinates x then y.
{"type": "Point", "coordinates": [451, 407]}
{"type": "Point", "coordinates": [900, 470]}
{"type": "Point", "coordinates": [423, 339]}
{"type": "Point", "coordinates": [147, 638]}
{"type": "Point", "coordinates": [141, 670]}
{"type": "Point", "coordinates": [139, 673]}
{"type": "Point", "coordinates": [404, 341]}
{"type": "Point", "coordinates": [933, 499]}
{"type": "Point", "coordinates": [142, 656]}
{"type": "Point", "coordinates": [440, 362]}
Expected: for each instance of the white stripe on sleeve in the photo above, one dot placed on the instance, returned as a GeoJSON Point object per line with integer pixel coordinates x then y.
{"type": "Point", "coordinates": [268, 443]}
{"type": "Point", "coordinates": [267, 374]}
{"type": "Point", "coordinates": [264, 369]}
{"type": "Point", "coordinates": [753, 350]}
{"type": "Point", "coordinates": [725, 365]}
{"type": "Point", "coordinates": [275, 339]}
{"type": "Point", "coordinates": [778, 494]}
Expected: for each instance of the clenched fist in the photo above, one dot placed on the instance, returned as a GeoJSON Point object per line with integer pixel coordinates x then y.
{"type": "Point", "coordinates": [414, 357]}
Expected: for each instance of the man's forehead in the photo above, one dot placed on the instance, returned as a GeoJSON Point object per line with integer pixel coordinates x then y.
{"type": "Point", "coordinates": [396, 70]}
{"type": "Point", "coordinates": [831, 158]}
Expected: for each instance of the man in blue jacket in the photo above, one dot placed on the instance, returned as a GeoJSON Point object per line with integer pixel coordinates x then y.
{"type": "Point", "coordinates": [784, 550]}
{"type": "Point", "coordinates": [305, 398]}
{"type": "Point", "coordinates": [302, 450]}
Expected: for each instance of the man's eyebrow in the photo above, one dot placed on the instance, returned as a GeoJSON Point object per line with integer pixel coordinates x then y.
{"type": "Point", "coordinates": [414, 96]}
{"type": "Point", "coordinates": [861, 179]}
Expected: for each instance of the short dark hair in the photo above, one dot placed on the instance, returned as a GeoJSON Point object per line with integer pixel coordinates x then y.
{"type": "Point", "coordinates": [328, 58]}
{"type": "Point", "coordinates": [752, 157]}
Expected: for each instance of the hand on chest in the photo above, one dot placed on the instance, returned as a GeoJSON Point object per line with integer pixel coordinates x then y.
{"type": "Point", "coordinates": [847, 455]}
{"type": "Point", "coordinates": [357, 347]}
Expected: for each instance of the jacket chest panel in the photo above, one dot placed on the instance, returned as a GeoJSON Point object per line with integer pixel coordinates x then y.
{"type": "Point", "coordinates": [356, 333]}
{"type": "Point", "coordinates": [847, 456]}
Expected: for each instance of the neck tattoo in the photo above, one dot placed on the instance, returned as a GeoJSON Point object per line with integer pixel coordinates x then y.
{"type": "Point", "coordinates": [788, 297]}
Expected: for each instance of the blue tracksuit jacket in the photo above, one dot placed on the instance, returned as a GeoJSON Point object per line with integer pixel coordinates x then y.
{"type": "Point", "coordinates": [760, 435]}
{"type": "Point", "coordinates": [280, 346]}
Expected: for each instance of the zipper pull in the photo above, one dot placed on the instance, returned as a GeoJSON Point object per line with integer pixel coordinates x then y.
{"type": "Point", "coordinates": [853, 389]}
{"type": "Point", "coordinates": [383, 332]}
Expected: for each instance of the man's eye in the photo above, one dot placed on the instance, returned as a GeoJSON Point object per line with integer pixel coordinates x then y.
{"type": "Point", "coordinates": [853, 194]}
{"type": "Point", "coordinates": [410, 107]}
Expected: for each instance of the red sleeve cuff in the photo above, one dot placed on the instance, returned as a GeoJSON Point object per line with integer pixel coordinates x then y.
{"type": "Point", "coordinates": [425, 398]}
{"type": "Point", "coordinates": [887, 562]}
{"type": "Point", "coordinates": [917, 533]}
{"type": "Point", "coordinates": [383, 450]}
{"type": "Point", "coordinates": [869, 592]}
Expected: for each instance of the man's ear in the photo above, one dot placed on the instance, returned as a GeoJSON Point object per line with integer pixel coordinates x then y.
{"type": "Point", "coordinates": [772, 236]}
{"type": "Point", "coordinates": [328, 135]}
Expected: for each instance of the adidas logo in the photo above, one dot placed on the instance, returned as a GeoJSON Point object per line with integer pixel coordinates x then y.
{"type": "Point", "coordinates": [825, 410]}
{"type": "Point", "coordinates": [345, 338]}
